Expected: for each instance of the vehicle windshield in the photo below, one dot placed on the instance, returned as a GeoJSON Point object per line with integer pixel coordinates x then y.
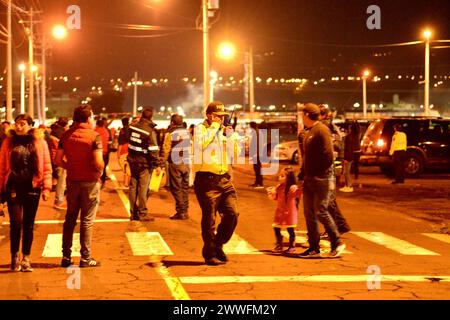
{"type": "Point", "coordinates": [373, 131]}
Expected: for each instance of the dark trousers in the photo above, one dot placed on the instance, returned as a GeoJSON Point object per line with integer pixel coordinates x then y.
{"type": "Point", "coordinates": [279, 237]}
{"type": "Point", "coordinates": [106, 161]}
{"type": "Point", "coordinates": [216, 194]}
{"type": "Point", "coordinates": [399, 165]}
{"type": "Point", "coordinates": [84, 197]}
{"type": "Point", "coordinates": [179, 186]}
{"type": "Point", "coordinates": [23, 203]}
{"type": "Point", "coordinates": [139, 191]}
{"type": "Point", "coordinates": [316, 199]}
{"type": "Point", "coordinates": [258, 175]}
{"type": "Point", "coordinates": [336, 214]}
{"type": "Point", "coordinates": [356, 157]}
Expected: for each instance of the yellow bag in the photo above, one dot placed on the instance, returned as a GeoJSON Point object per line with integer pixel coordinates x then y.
{"type": "Point", "coordinates": [155, 181]}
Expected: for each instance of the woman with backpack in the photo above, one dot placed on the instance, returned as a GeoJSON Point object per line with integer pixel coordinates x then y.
{"type": "Point", "coordinates": [25, 173]}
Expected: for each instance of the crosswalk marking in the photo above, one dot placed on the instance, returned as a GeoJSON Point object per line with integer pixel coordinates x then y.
{"type": "Point", "coordinates": [53, 246]}
{"type": "Point", "coordinates": [237, 245]}
{"type": "Point", "coordinates": [398, 245]}
{"type": "Point", "coordinates": [300, 238]}
{"type": "Point", "coordinates": [311, 278]}
{"type": "Point", "coordinates": [148, 244]}
{"type": "Point", "coordinates": [438, 236]}
{"type": "Point", "coordinates": [78, 221]}
{"type": "Point", "coordinates": [123, 197]}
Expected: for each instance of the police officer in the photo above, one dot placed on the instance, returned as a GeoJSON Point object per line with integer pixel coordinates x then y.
{"type": "Point", "coordinates": [175, 150]}
{"type": "Point", "coordinates": [214, 144]}
{"type": "Point", "coordinates": [142, 158]}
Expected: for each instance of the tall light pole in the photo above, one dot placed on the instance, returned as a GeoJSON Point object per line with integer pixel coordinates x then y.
{"type": "Point", "coordinates": [251, 83]}
{"type": "Point", "coordinates": [135, 94]}
{"type": "Point", "coordinates": [9, 66]}
{"type": "Point", "coordinates": [206, 58]}
{"type": "Point", "coordinates": [214, 76]}
{"type": "Point", "coordinates": [22, 68]}
{"type": "Point", "coordinates": [427, 36]}
{"type": "Point", "coordinates": [30, 66]}
{"type": "Point", "coordinates": [366, 74]}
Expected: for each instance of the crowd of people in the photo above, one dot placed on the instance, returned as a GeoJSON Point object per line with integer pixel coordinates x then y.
{"type": "Point", "coordinates": [72, 161]}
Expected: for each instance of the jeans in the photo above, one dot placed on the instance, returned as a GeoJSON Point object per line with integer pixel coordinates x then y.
{"type": "Point", "coordinates": [139, 192]}
{"type": "Point", "coordinates": [316, 198]}
{"type": "Point", "coordinates": [23, 204]}
{"type": "Point", "coordinates": [216, 193]}
{"type": "Point", "coordinates": [179, 186]}
{"type": "Point", "coordinates": [60, 185]}
{"type": "Point", "coordinates": [347, 175]}
{"type": "Point", "coordinates": [336, 214]}
{"type": "Point", "coordinates": [84, 196]}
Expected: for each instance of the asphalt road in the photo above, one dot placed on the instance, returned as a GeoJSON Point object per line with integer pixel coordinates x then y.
{"type": "Point", "coordinates": [399, 248]}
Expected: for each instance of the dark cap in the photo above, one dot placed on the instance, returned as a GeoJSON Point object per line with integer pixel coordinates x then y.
{"type": "Point", "coordinates": [310, 109]}
{"type": "Point", "coordinates": [216, 107]}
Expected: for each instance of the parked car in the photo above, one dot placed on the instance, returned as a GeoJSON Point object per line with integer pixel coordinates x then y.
{"type": "Point", "coordinates": [428, 144]}
{"type": "Point", "coordinates": [287, 131]}
{"type": "Point", "coordinates": [286, 151]}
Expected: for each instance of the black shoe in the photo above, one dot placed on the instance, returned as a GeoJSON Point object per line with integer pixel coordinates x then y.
{"type": "Point", "coordinates": [344, 230]}
{"type": "Point", "coordinates": [220, 254]}
{"type": "Point", "coordinates": [66, 262]}
{"type": "Point", "coordinates": [89, 263]}
{"type": "Point", "coordinates": [214, 262]}
{"type": "Point", "coordinates": [310, 254]}
{"type": "Point", "coordinates": [179, 217]}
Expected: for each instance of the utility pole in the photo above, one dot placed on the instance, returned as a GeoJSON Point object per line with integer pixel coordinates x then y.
{"type": "Point", "coordinates": [251, 83]}
{"type": "Point", "coordinates": [206, 58]}
{"type": "Point", "coordinates": [135, 96]}
{"type": "Point", "coordinates": [427, 77]}
{"type": "Point", "coordinates": [9, 66]}
{"type": "Point", "coordinates": [44, 79]}
{"type": "Point", "coordinates": [31, 65]}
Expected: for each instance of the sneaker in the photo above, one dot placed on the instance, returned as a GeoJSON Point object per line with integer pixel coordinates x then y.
{"type": "Point", "coordinates": [214, 262]}
{"type": "Point", "coordinates": [310, 254]}
{"type": "Point", "coordinates": [26, 265]}
{"type": "Point", "coordinates": [60, 206]}
{"type": "Point", "coordinates": [15, 263]}
{"type": "Point", "coordinates": [278, 248]}
{"type": "Point", "coordinates": [258, 187]}
{"type": "Point", "coordinates": [220, 254]}
{"type": "Point", "coordinates": [177, 216]}
{"type": "Point", "coordinates": [346, 189]}
{"type": "Point", "coordinates": [290, 250]}
{"type": "Point", "coordinates": [66, 262]}
{"type": "Point", "coordinates": [87, 263]}
{"type": "Point", "coordinates": [146, 218]}
{"type": "Point", "coordinates": [335, 253]}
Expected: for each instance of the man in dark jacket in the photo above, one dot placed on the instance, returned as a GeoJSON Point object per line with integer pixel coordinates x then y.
{"type": "Point", "coordinates": [175, 150]}
{"type": "Point", "coordinates": [318, 183]}
{"type": "Point", "coordinates": [254, 155]}
{"type": "Point", "coordinates": [142, 158]}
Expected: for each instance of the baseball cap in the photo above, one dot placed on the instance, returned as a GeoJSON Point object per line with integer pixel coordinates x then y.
{"type": "Point", "coordinates": [216, 107]}
{"type": "Point", "coordinates": [310, 109]}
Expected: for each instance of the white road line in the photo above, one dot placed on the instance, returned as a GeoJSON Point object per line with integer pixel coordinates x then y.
{"type": "Point", "coordinates": [438, 236]}
{"type": "Point", "coordinates": [122, 195]}
{"type": "Point", "coordinates": [395, 244]}
{"type": "Point", "coordinates": [302, 239]}
{"type": "Point", "coordinates": [78, 221]}
{"type": "Point", "coordinates": [53, 246]}
{"type": "Point", "coordinates": [237, 245]}
{"type": "Point", "coordinates": [312, 278]}
{"type": "Point", "coordinates": [148, 244]}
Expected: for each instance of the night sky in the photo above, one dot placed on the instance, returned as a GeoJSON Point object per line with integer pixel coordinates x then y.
{"type": "Point", "coordinates": [291, 38]}
{"type": "Point", "coordinates": [299, 33]}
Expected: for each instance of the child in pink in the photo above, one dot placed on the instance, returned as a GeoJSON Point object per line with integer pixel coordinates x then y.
{"type": "Point", "coordinates": [286, 193]}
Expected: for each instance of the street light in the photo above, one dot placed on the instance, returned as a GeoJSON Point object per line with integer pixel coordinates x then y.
{"type": "Point", "coordinates": [427, 35]}
{"type": "Point", "coordinates": [227, 51]}
{"type": "Point", "coordinates": [366, 74]}
{"type": "Point", "coordinates": [22, 68]}
{"type": "Point", "coordinates": [59, 32]}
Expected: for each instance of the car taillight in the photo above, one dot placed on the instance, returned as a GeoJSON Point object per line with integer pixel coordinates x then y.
{"type": "Point", "coordinates": [381, 143]}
